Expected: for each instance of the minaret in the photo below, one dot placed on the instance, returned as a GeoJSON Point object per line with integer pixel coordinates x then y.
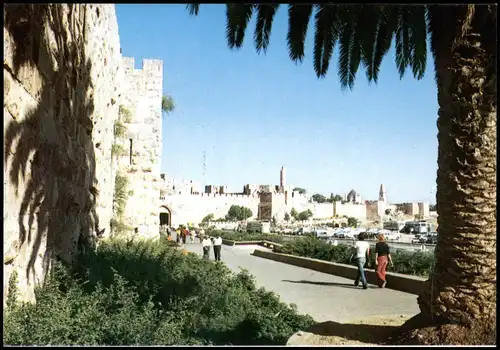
{"type": "Point", "coordinates": [282, 177]}
{"type": "Point", "coordinates": [382, 196]}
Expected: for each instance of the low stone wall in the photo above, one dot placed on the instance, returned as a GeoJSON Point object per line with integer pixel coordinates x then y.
{"type": "Point", "coordinates": [396, 281]}
{"type": "Point", "coordinates": [266, 244]}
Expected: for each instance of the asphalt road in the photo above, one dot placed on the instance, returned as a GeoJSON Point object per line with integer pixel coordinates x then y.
{"type": "Point", "coordinates": [325, 297]}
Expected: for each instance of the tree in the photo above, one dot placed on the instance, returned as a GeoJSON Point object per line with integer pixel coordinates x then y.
{"type": "Point", "coordinates": [294, 213]}
{"type": "Point", "coordinates": [209, 217]}
{"type": "Point", "coordinates": [238, 213]}
{"type": "Point", "coordinates": [167, 104]}
{"type": "Point", "coordinates": [287, 217]}
{"type": "Point", "coordinates": [305, 215]}
{"type": "Point", "coordinates": [337, 198]}
{"type": "Point", "coordinates": [319, 198]}
{"type": "Point", "coordinates": [352, 222]}
{"type": "Point", "coordinates": [462, 287]}
{"type": "Point", "coordinates": [300, 190]}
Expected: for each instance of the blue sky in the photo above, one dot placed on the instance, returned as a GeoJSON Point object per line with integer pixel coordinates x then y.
{"type": "Point", "coordinates": [250, 114]}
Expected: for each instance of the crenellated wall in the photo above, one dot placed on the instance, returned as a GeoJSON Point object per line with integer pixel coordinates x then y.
{"type": "Point", "coordinates": [61, 86]}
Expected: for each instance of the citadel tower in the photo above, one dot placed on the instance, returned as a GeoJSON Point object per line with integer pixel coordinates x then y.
{"type": "Point", "coordinates": [382, 196]}
{"type": "Point", "coordinates": [282, 177]}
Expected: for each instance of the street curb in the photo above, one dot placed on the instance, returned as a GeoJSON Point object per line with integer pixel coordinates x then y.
{"type": "Point", "coordinates": [395, 281]}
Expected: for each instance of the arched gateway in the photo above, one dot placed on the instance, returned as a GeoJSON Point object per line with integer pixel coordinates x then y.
{"type": "Point", "coordinates": [165, 216]}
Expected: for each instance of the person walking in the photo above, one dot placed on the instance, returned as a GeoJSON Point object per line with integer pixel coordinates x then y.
{"type": "Point", "coordinates": [206, 243]}
{"type": "Point", "coordinates": [382, 258]}
{"type": "Point", "coordinates": [362, 253]}
{"type": "Point", "coordinates": [217, 247]}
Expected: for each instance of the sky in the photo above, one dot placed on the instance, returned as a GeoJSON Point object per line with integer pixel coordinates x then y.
{"type": "Point", "coordinates": [241, 116]}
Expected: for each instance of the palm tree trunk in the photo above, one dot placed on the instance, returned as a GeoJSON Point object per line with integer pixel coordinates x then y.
{"type": "Point", "coordinates": [462, 287]}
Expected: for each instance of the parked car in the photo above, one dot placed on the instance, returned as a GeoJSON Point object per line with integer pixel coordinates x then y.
{"type": "Point", "coordinates": [431, 238]}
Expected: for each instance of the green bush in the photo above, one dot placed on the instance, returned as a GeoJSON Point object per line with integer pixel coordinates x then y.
{"type": "Point", "coordinates": [245, 236]}
{"type": "Point", "coordinates": [411, 263]}
{"type": "Point", "coordinates": [148, 293]}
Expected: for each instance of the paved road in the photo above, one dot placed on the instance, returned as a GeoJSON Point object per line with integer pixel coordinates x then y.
{"type": "Point", "coordinates": [325, 297]}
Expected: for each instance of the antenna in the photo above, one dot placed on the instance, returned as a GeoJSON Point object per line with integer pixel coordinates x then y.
{"type": "Point", "coordinates": [204, 168]}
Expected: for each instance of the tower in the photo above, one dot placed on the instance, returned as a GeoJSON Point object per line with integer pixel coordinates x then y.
{"type": "Point", "coordinates": [382, 196]}
{"type": "Point", "coordinates": [282, 177]}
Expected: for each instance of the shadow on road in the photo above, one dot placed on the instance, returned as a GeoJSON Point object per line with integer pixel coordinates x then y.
{"type": "Point", "coordinates": [334, 284]}
{"type": "Point", "coordinates": [365, 333]}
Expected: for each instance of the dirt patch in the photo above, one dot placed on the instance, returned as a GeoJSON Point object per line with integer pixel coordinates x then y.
{"type": "Point", "coordinates": [417, 331]}
{"type": "Point", "coordinates": [368, 331]}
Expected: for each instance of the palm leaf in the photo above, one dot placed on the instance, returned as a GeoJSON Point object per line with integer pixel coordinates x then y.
{"type": "Point", "coordinates": [193, 9]}
{"type": "Point", "coordinates": [298, 21]}
{"type": "Point", "coordinates": [265, 16]}
{"type": "Point", "coordinates": [344, 55]}
{"type": "Point", "coordinates": [386, 25]}
{"type": "Point", "coordinates": [237, 18]}
{"type": "Point", "coordinates": [354, 56]}
{"type": "Point", "coordinates": [402, 40]}
{"type": "Point", "coordinates": [418, 41]}
{"type": "Point", "coordinates": [326, 35]}
{"type": "Point", "coordinates": [367, 27]}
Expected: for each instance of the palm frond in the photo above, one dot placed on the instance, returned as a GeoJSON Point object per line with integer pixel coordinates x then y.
{"type": "Point", "coordinates": [418, 43]}
{"type": "Point", "coordinates": [326, 34]}
{"type": "Point", "coordinates": [354, 56]}
{"type": "Point", "coordinates": [402, 40]}
{"type": "Point", "coordinates": [265, 16]}
{"type": "Point", "coordinates": [193, 9]}
{"type": "Point", "coordinates": [386, 25]}
{"type": "Point", "coordinates": [344, 55]}
{"type": "Point", "coordinates": [237, 18]}
{"type": "Point", "coordinates": [298, 21]}
{"type": "Point", "coordinates": [367, 27]}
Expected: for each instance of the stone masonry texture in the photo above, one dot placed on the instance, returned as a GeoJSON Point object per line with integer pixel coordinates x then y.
{"type": "Point", "coordinates": [64, 80]}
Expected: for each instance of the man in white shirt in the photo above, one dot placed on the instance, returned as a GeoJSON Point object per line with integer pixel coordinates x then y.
{"type": "Point", "coordinates": [362, 253]}
{"type": "Point", "coordinates": [217, 247]}
{"type": "Point", "coordinates": [206, 243]}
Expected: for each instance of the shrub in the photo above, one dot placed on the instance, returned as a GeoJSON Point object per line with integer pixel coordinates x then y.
{"type": "Point", "coordinates": [406, 262]}
{"type": "Point", "coordinates": [148, 293]}
{"type": "Point", "coordinates": [125, 114]}
{"type": "Point", "coordinates": [245, 236]}
{"type": "Point", "coordinates": [118, 150]}
{"type": "Point", "coordinates": [119, 129]}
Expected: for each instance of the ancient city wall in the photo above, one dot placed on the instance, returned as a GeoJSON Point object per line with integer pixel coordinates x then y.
{"type": "Point", "coordinates": [193, 208]}
{"type": "Point", "coordinates": [61, 79]}
{"type": "Point", "coordinates": [357, 211]}
{"type": "Point", "coordinates": [142, 144]}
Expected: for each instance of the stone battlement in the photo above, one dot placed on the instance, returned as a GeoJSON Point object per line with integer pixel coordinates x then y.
{"type": "Point", "coordinates": [148, 65]}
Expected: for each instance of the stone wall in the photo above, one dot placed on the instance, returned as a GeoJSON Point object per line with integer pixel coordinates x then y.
{"type": "Point", "coordinates": [61, 73]}
{"type": "Point", "coordinates": [185, 208]}
{"type": "Point", "coordinates": [357, 211]}
{"type": "Point", "coordinates": [141, 162]}
{"type": "Point", "coordinates": [193, 208]}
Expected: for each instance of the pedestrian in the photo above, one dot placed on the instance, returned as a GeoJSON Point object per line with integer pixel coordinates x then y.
{"type": "Point", "coordinates": [206, 243]}
{"type": "Point", "coordinates": [217, 247]}
{"type": "Point", "coordinates": [382, 258]}
{"type": "Point", "coordinates": [193, 235]}
{"type": "Point", "coordinates": [362, 253]}
{"type": "Point", "coordinates": [178, 235]}
{"type": "Point", "coordinates": [183, 234]}
{"type": "Point", "coordinates": [201, 234]}
{"type": "Point", "coordinates": [187, 237]}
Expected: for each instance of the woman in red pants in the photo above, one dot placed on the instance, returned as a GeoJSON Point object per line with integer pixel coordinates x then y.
{"type": "Point", "coordinates": [382, 258]}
